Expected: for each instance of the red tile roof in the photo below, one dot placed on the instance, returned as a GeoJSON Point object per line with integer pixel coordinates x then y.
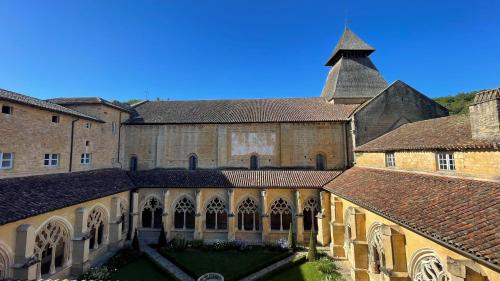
{"type": "Point", "coordinates": [446, 133]}
{"type": "Point", "coordinates": [461, 213]}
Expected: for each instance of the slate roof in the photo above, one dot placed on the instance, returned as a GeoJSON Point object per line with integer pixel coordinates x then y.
{"type": "Point", "coordinates": [461, 213]}
{"type": "Point", "coordinates": [240, 111]}
{"type": "Point", "coordinates": [233, 178]}
{"type": "Point", "coordinates": [24, 197]}
{"type": "Point", "coordinates": [349, 42]}
{"type": "Point", "coordinates": [446, 133]}
{"type": "Point", "coordinates": [353, 77]}
{"type": "Point", "coordinates": [90, 100]}
{"type": "Point", "coordinates": [41, 104]}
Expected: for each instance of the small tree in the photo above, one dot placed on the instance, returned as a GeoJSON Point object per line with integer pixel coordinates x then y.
{"type": "Point", "coordinates": [135, 242]}
{"type": "Point", "coordinates": [162, 239]}
{"type": "Point", "coordinates": [313, 252]}
{"type": "Point", "coordinates": [291, 238]}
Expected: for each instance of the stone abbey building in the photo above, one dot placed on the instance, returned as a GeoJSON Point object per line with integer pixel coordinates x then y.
{"type": "Point", "coordinates": [384, 177]}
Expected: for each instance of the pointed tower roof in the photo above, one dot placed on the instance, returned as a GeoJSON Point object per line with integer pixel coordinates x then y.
{"type": "Point", "coordinates": [349, 43]}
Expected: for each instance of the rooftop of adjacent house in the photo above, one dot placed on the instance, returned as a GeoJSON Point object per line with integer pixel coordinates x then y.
{"type": "Point", "coordinates": [241, 111]}
{"type": "Point", "coordinates": [460, 213]}
{"type": "Point", "coordinates": [24, 197]}
{"type": "Point", "coordinates": [91, 100]}
{"type": "Point", "coordinates": [233, 178]}
{"type": "Point", "coordinates": [41, 104]}
{"type": "Point", "coordinates": [446, 133]}
{"type": "Point", "coordinates": [486, 95]}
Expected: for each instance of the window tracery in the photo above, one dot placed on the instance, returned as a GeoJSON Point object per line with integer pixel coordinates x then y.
{"type": "Point", "coordinates": [311, 210]}
{"type": "Point", "coordinates": [281, 215]}
{"type": "Point", "coordinates": [216, 214]}
{"type": "Point", "coordinates": [52, 245]}
{"type": "Point", "coordinates": [426, 266]}
{"type": "Point", "coordinates": [5, 263]}
{"type": "Point", "coordinates": [96, 226]}
{"type": "Point", "coordinates": [184, 214]}
{"type": "Point", "coordinates": [376, 253]}
{"type": "Point", "coordinates": [248, 215]}
{"type": "Point", "coordinates": [152, 213]}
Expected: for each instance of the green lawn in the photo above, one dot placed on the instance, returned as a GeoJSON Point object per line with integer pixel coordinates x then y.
{"type": "Point", "coordinates": [140, 270]}
{"type": "Point", "coordinates": [303, 272]}
{"type": "Point", "coordinates": [232, 264]}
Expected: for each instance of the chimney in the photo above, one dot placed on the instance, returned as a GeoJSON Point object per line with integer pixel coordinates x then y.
{"type": "Point", "coordinates": [485, 115]}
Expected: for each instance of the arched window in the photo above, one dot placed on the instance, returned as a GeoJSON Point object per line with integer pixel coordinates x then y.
{"type": "Point", "coordinates": [193, 162]}
{"type": "Point", "coordinates": [133, 163]}
{"type": "Point", "coordinates": [5, 262]}
{"type": "Point", "coordinates": [254, 162]}
{"type": "Point", "coordinates": [184, 214]}
{"type": "Point", "coordinates": [216, 215]}
{"type": "Point", "coordinates": [52, 248]}
{"type": "Point", "coordinates": [281, 215]}
{"type": "Point", "coordinates": [425, 266]}
{"type": "Point", "coordinates": [96, 225]}
{"type": "Point", "coordinates": [320, 162]}
{"type": "Point", "coordinates": [348, 230]}
{"type": "Point", "coordinates": [376, 255]}
{"type": "Point", "coordinates": [152, 213]}
{"type": "Point", "coordinates": [124, 217]}
{"type": "Point", "coordinates": [311, 210]}
{"type": "Point", "coordinates": [248, 215]}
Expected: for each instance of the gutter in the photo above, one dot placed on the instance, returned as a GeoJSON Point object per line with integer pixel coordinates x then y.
{"type": "Point", "coordinates": [71, 144]}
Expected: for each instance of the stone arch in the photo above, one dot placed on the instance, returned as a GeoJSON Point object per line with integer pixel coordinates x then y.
{"type": "Point", "coordinates": [53, 247]}
{"type": "Point", "coordinates": [151, 209]}
{"type": "Point", "coordinates": [184, 210]}
{"type": "Point", "coordinates": [281, 213]}
{"type": "Point", "coordinates": [216, 213]}
{"type": "Point", "coordinates": [425, 265]}
{"type": "Point", "coordinates": [248, 211]}
{"type": "Point", "coordinates": [98, 226]}
{"type": "Point", "coordinates": [192, 161]}
{"type": "Point", "coordinates": [376, 253]}
{"type": "Point", "coordinates": [6, 260]}
{"type": "Point", "coordinates": [310, 210]}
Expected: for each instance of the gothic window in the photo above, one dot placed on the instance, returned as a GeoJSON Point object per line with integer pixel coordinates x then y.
{"type": "Point", "coordinates": [320, 162]}
{"type": "Point", "coordinates": [152, 213]}
{"type": "Point", "coordinates": [193, 162]}
{"type": "Point", "coordinates": [311, 210]}
{"type": "Point", "coordinates": [216, 216]}
{"type": "Point", "coordinates": [95, 224]}
{"type": "Point", "coordinates": [52, 248]}
{"type": "Point", "coordinates": [184, 214]}
{"type": "Point", "coordinates": [348, 229]}
{"type": "Point", "coordinates": [376, 254]}
{"type": "Point", "coordinates": [5, 262]}
{"type": "Point", "coordinates": [124, 217]}
{"type": "Point", "coordinates": [254, 162]}
{"type": "Point", "coordinates": [248, 215]}
{"type": "Point", "coordinates": [426, 266]}
{"type": "Point", "coordinates": [281, 215]}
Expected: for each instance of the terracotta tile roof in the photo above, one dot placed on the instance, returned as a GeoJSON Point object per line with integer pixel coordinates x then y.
{"type": "Point", "coordinates": [462, 213]}
{"type": "Point", "coordinates": [45, 105]}
{"type": "Point", "coordinates": [446, 133]}
{"type": "Point", "coordinates": [29, 196]}
{"type": "Point", "coordinates": [241, 111]}
{"type": "Point", "coordinates": [232, 178]}
{"type": "Point", "coordinates": [91, 100]}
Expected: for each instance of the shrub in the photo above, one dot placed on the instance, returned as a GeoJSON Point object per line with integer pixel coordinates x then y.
{"type": "Point", "coordinates": [195, 244]}
{"type": "Point", "coordinates": [326, 266]}
{"type": "Point", "coordinates": [162, 239]}
{"type": "Point", "coordinates": [313, 252]}
{"type": "Point", "coordinates": [240, 245]}
{"type": "Point", "coordinates": [291, 238]}
{"type": "Point", "coordinates": [123, 257]}
{"type": "Point", "coordinates": [177, 244]}
{"type": "Point", "coordinates": [219, 245]}
{"type": "Point", "coordinates": [135, 241]}
{"type": "Point", "coordinates": [97, 273]}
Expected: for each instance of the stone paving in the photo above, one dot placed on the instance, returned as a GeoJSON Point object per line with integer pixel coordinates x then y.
{"type": "Point", "coordinates": [165, 264]}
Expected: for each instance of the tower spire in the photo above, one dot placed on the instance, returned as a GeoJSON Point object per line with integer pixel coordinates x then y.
{"type": "Point", "coordinates": [349, 43]}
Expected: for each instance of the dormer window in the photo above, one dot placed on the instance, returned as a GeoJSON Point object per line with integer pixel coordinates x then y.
{"type": "Point", "coordinates": [446, 161]}
{"type": "Point", "coordinates": [7, 109]}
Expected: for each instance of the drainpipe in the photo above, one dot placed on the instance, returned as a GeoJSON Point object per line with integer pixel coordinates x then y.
{"type": "Point", "coordinates": [71, 143]}
{"type": "Point", "coordinates": [119, 138]}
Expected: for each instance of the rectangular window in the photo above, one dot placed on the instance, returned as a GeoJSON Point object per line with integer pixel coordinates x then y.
{"type": "Point", "coordinates": [51, 160]}
{"type": "Point", "coordinates": [85, 159]}
{"type": "Point", "coordinates": [6, 160]}
{"type": "Point", "coordinates": [390, 159]}
{"type": "Point", "coordinates": [113, 127]}
{"type": "Point", "coordinates": [88, 125]}
{"type": "Point", "coordinates": [55, 119]}
{"type": "Point", "coordinates": [446, 161]}
{"type": "Point", "coordinates": [6, 109]}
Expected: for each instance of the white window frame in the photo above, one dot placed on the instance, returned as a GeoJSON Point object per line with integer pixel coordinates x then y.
{"type": "Point", "coordinates": [10, 161]}
{"type": "Point", "coordinates": [51, 157]}
{"type": "Point", "coordinates": [86, 159]}
{"type": "Point", "coordinates": [390, 159]}
{"type": "Point", "coordinates": [446, 161]}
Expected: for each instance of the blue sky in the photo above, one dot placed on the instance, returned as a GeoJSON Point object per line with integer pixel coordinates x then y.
{"type": "Point", "coordinates": [238, 48]}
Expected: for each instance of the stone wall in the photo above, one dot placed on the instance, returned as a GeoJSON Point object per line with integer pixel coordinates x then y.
{"type": "Point", "coordinates": [232, 145]}
{"type": "Point", "coordinates": [485, 119]}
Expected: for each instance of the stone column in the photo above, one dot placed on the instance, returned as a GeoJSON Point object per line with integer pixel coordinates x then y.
{"type": "Point", "coordinates": [25, 262]}
{"type": "Point", "coordinates": [337, 229]}
{"type": "Point", "coordinates": [358, 255]}
{"type": "Point", "coordinates": [115, 223]}
{"type": "Point", "coordinates": [299, 218]}
{"type": "Point", "coordinates": [198, 221]}
{"type": "Point", "coordinates": [81, 242]}
{"type": "Point", "coordinates": [231, 218]}
{"type": "Point", "coordinates": [134, 213]}
{"type": "Point", "coordinates": [167, 222]}
{"type": "Point", "coordinates": [324, 218]}
{"type": "Point", "coordinates": [264, 216]}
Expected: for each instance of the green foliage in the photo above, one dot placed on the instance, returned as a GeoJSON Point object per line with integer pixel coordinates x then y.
{"type": "Point", "coordinates": [162, 239]}
{"type": "Point", "coordinates": [135, 242]}
{"type": "Point", "coordinates": [457, 104]}
{"type": "Point", "coordinates": [291, 238]}
{"type": "Point", "coordinates": [97, 273]}
{"type": "Point", "coordinates": [313, 252]}
{"type": "Point", "coordinates": [195, 244]}
{"type": "Point", "coordinates": [132, 101]}
{"type": "Point", "coordinates": [326, 266]}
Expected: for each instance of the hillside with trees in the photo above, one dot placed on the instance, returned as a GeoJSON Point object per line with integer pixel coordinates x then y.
{"type": "Point", "coordinates": [457, 104]}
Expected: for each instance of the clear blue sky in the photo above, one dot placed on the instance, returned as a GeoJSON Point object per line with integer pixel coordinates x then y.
{"type": "Point", "coordinates": [237, 48]}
